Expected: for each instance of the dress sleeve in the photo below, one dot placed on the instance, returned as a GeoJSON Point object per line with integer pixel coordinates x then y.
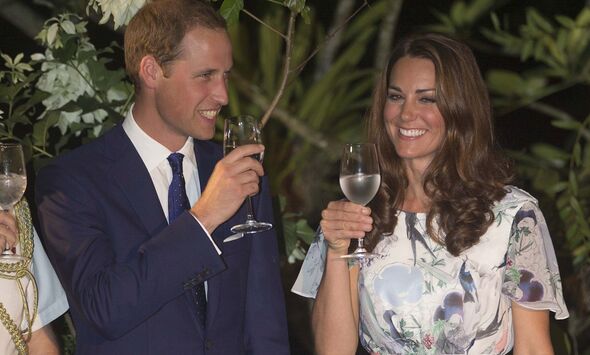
{"type": "Point", "coordinates": [310, 275]}
{"type": "Point", "coordinates": [52, 298]}
{"type": "Point", "coordinates": [531, 277]}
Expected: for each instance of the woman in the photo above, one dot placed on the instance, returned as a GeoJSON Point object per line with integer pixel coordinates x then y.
{"type": "Point", "coordinates": [25, 314]}
{"type": "Point", "coordinates": [466, 263]}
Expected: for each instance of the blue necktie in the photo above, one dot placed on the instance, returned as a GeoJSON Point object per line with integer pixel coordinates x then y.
{"type": "Point", "coordinates": [177, 204]}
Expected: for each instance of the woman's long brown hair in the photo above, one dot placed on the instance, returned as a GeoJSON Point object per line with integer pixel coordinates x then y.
{"type": "Point", "coordinates": [467, 175]}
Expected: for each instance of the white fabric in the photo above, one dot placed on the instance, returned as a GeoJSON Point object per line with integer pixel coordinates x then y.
{"type": "Point", "coordinates": [52, 298]}
{"type": "Point", "coordinates": [154, 156]}
{"type": "Point", "coordinates": [417, 298]}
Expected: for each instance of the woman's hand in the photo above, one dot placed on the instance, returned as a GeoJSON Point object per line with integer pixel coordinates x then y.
{"type": "Point", "coordinates": [8, 231]}
{"type": "Point", "coordinates": [343, 221]}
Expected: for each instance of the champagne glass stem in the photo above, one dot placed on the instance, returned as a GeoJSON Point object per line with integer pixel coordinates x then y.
{"type": "Point", "coordinates": [250, 209]}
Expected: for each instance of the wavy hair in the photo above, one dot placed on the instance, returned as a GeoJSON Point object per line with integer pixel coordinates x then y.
{"type": "Point", "coordinates": [467, 175]}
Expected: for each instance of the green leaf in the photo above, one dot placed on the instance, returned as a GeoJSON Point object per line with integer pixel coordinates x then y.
{"type": "Point", "coordinates": [566, 124]}
{"type": "Point", "coordinates": [52, 34]}
{"type": "Point", "coordinates": [558, 187]}
{"type": "Point", "coordinates": [565, 21]}
{"type": "Point", "coordinates": [534, 17]}
{"type": "Point", "coordinates": [18, 58]}
{"type": "Point", "coordinates": [573, 182]}
{"type": "Point", "coordinates": [7, 60]}
{"type": "Point", "coordinates": [527, 50]}
{"type": "Point", "coordinates": [583, 19]}
{"type": "Point", "coordinates": [230, 10]}
{"type": "Point", "coordinates": [549, 152]}
{"type": "Point", "coordinates": [68, 27]}
{"type": "Point", "coordinates": [41, 128]}
{"type": "Point", "coordinates": [577, 154]}
{"type": "Point", "coordinates": [295, 5]}
{"type": "Point", "coordinates": [457, 13]}
{"type": "Point", "coordinates": [504, 81]}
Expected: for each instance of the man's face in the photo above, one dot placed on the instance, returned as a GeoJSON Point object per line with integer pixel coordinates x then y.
{"type": "Point", "coordinates": [194, 88]}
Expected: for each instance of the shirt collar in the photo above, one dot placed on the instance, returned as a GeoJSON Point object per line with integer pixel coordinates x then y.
{"type": "Point", "coordinates": [152, 153]}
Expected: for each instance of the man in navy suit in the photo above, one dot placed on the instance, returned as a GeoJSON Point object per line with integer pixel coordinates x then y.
{"type": "Point", "coordinates": [139, 278]}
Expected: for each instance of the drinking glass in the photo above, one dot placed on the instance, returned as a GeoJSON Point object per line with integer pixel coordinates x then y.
{"type": "Point", "coordinates": [13, 182]}
{"type": "Point", "coordinates": [242, 130]}
{"type": "Point", "coordinates": [359, 180]}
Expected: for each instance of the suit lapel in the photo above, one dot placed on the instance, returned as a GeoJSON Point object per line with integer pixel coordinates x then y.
{"type": "Point", "coordinates": [131, 176]}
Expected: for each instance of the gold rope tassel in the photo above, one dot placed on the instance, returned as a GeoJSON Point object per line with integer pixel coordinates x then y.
{"type": "Point", "coordinates": [17, 272]}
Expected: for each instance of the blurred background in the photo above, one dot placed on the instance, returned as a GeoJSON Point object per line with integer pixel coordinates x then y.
{"type": "Point", "coordinates": [307, 69]}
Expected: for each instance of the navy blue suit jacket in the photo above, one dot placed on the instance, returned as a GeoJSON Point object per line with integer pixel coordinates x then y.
{"type": "Point", "coordinates": [127, 273]}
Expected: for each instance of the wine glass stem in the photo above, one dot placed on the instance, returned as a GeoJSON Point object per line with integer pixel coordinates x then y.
{"type": "Point", "coordinates": [249, 208]}
{"type": "Point", "coordinates": [361, 243]}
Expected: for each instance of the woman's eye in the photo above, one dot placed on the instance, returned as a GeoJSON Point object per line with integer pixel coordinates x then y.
{"type": "Point", "coordinates": [394, 97]}
{"type": "Point", "coordinates": [428, 100]}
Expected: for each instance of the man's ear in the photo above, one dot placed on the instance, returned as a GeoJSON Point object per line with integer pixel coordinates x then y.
{"type": "Point", "coordinates": [150, 71]}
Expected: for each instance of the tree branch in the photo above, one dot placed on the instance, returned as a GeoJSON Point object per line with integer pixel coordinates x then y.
{"type": "Point", "coordinates": [387, 33]}
{"type": "Point", "coordinates": [327, 55]}
{"type": "Point", "coordinates": [294, 124]}
{"type": "Point", "coordinates": [285, 71]}
{"type": "Point", "coordinates": [265, 24]}
{"type": "Point", "coordinates": [330, 35]}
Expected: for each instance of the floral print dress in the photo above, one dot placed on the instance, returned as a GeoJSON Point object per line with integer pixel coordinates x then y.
{"type": "Point", "coordinates": [416, 298]}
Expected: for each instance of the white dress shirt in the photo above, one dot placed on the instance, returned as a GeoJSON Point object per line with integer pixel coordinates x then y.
{"type": "Point", "coordinates": [155, 158]}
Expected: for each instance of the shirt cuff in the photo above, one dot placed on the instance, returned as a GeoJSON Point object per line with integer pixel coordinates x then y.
{"type": "Point", "coordinates": [205, 230]}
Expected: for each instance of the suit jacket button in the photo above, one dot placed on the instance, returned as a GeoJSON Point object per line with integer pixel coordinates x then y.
{"type": "Point", "coordinates": [208, 344]}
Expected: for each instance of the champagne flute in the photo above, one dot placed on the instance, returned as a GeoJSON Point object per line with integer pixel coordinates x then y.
{"type": "Point", "coordinates": [359, 180]}
{"type": "Point", "coordinates": [13, 182]}
{"type": "Point", "coordinates": [242, 130]}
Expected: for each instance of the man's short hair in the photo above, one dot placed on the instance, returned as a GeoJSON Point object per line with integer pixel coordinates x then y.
{"type": "Point", "coordinates": [159, 27]}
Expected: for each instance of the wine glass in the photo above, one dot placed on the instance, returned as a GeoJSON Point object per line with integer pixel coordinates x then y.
{"type": "Point", "coordinates": [13, 182]}
{"type": "Point", "coordinates": [242, 130]}
{"type": "Point", "coordinates": [359, 180]}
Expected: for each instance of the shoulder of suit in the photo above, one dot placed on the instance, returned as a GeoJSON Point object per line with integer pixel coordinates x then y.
{"type": "Point", "coordinates": [89, 153]}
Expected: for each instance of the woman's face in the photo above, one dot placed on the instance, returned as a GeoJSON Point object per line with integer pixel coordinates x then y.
{"type": "Point", "coordinates": [414, 123]}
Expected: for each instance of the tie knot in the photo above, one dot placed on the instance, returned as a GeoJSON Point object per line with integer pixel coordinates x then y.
{"type": "Point", "coordinates": [175, 160]}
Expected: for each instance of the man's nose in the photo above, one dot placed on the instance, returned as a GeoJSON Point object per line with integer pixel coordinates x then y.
{"type": "Point", "coordinates": [220, 92]}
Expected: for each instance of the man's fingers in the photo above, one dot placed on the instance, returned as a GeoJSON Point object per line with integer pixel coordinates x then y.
{"type": "Point", "coordinates": [244, 151]}
{"type": "Point", "coordinates": [246, 164]}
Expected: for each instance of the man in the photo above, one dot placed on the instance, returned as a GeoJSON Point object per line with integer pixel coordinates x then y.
{"type": "Point", "coordinates": [136, 273]}
{"type": "Point", "coordinates": [17, 286]}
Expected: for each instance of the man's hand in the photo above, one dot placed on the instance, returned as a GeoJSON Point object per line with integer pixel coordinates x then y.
{"type": "Point", "coordinates": [8, 231]}
{"type": "Point", "coordinates": [235, 176]}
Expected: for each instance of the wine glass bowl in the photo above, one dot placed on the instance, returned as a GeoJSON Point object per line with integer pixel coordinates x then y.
{"type": "Point", "coordinates": [360, 179]}
{"type": "Point", "coordinates": [241, 130]}
{"type": "Point", "coordinates": [13, 182]}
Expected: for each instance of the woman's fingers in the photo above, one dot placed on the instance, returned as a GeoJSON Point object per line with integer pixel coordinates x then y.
{"type": "Point", "coordinates": [342, 221]}
{"type": "Point", "coordinates": [8, 230]}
